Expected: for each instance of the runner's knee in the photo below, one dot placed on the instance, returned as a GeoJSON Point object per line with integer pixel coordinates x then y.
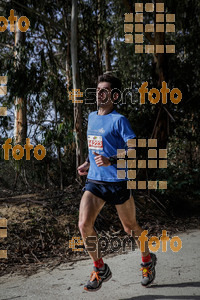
{"type": "Point", "coordinates": [85, 226]}
{"type": "Point", "coordinates": [129, 227]}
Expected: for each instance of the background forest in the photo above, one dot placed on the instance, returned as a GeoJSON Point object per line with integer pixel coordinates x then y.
{"type": "Point", "coordinates": [70, 43]}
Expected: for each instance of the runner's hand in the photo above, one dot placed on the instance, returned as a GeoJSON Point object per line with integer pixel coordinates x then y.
{"type": "Point", "coordinates": [82, 169]}
{"type": "Point", "coordinates": [101, 160]}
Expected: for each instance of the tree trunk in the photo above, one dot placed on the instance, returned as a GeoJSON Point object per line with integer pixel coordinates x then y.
{"type": "Point", "coordinates": [58, 148]}
{"type": "Point", "coordinates": [107, 50]}
{"type": "Point", "coordinates": [67, 30]}
{"type": "Point", "coordinates": [98, 40]}
{"type": "Point", "coordinates": [20, 127]}
{"type": "Point", "coordinates": [68, 75]}
{"type": "Point", "coordinates": [76, 85]}
{"type": "Point", "coordinates": [67, 64]}
{"type": "Point", "coordinates": [20, 104]}
{"type": "Point", "coordinates": [160, 131]}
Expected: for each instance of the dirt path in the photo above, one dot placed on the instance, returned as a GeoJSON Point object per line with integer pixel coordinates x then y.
{"type": "Point", "coordinates": [177, 277]}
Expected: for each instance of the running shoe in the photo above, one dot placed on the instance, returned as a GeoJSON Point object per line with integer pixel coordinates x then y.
{"type": "Point", "coordinates": [148, 271]}
{"type": "Point", "coordinates": [97, 277]}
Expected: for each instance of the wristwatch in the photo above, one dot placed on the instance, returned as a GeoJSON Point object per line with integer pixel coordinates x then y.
{"type": "Point", "coordinates": [112, 160]}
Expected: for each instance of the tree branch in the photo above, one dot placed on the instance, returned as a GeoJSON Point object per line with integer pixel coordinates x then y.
{"type": "Point", "coordinates": [6, 45]}
{"type": "Point", "coordinates": [44, 18]}
{"type": "Point", "coordinates": [149, 38]}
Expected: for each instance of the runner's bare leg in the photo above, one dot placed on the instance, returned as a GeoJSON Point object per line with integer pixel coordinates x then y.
{"type": "Point", "coordinates": [127, 215]}
{"type": "Point", "coordinates": [90, 206]}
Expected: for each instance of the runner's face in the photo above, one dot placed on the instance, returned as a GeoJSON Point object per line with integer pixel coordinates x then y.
{"type": "Point", "coordinates": [103, 95]}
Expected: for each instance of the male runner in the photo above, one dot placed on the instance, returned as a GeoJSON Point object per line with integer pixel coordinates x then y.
{"type": "Point", "coordinates": [107, 132]}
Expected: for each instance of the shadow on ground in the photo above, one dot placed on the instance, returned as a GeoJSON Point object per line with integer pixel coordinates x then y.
{"type": "Point", "coordinates": [178, 285]}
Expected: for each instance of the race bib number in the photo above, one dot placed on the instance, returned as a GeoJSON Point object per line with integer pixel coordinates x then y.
{"type": "Point", "coordinates": [95, 142]}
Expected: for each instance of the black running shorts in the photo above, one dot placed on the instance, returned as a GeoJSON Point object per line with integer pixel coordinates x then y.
{"type": "Point", "coordinates": [110, 193]}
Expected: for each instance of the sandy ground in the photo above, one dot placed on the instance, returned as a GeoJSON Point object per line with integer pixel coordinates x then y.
{"type": "Point", "coordinates": [177, 277]}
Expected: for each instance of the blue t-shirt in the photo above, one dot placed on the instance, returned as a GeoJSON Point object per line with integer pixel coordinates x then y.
{"type": "Point", "coordinates": [106, 134]}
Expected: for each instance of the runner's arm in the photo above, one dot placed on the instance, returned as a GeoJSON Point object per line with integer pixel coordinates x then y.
{"type": "Point", "coordinates": [113, 158]}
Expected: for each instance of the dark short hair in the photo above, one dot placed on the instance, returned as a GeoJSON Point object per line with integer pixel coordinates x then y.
{"type": "Point", "coordinates": [115, 83]}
